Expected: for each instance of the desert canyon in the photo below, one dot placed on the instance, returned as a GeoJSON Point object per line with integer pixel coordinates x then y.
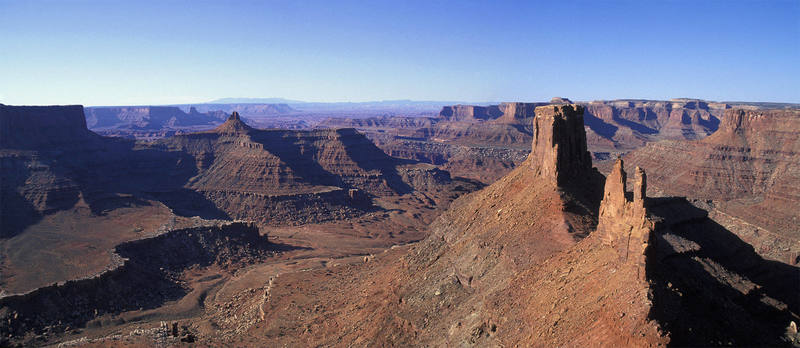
{"type": "Point", "coordinates": [560, 223]}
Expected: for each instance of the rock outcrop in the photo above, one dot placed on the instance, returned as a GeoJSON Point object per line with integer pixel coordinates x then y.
{"type": "Point", "coordinates": [43, 127]}
{"type": "Point", "coordinates": [523, 263]}
{"type": "Point", "coordinates": [559, 152]}
{"type": "Point", "coordinates": [233, 125]}
{"type": "Point", "coordinates": [628, 124]}
{"type": "Point", "coordinates": [749, 168]}
{"type": "Point", "coordinates": [36, 144]}
{"type": "Point", "coordinates": [469, 113]}
{"type": "Point", "coordinates": [150, 118]}
{"type": "Point", "coordinates": [470, 139]}
{"type": "Point", "coordinates": [508, 265]}
{"type": "Point", "coordinates": [233, 171]}
{"type": "Point", "coordinates": [623, 222]}
{"type": "Point", "coordinates": [146, 277]}
{"type": "Point", "coordinates": [246, 172]}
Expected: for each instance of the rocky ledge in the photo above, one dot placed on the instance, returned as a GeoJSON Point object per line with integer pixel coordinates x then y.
{"type": "Point", "coordinates": [148, 277]}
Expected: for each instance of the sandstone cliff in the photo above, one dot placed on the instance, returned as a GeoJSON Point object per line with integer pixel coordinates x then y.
{"type": "Point", "coordinates": [559, 152]}
{"type": "Point", "coordinates": [36, 143]}
{"type": "Point", "coordinates": [486, 142]}
{"type": "Point", "coordinates": [632, 123]}
{"type": "Point", "coordinates": [233, 171]}
{"type": "Point", "coordinates": [266, 174]}
{"type": "Point", "coordinates": [747, 167]}
{"type": "Point", "coordinates": [42, 127]}
{"type": "Point", "coordinates": [150, 118]}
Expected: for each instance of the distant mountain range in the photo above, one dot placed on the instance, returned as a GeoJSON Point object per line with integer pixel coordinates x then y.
{"type": "Point", "coordinates": [254, 101]}
{"type": "Point", "coordinates": [375, 102]}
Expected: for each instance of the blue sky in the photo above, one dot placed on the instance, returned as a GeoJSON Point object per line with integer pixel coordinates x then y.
{"type": "Point", "coordinates": [142, 52]}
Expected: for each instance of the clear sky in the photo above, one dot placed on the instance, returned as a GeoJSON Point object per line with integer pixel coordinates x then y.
{"type": "Point", "coordinates": [158, 52]}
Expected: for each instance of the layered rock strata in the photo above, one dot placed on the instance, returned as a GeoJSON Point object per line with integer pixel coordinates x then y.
{"type": "Point", "coordinates": [627, 124]}
{"type": "Point", "coordinates": [149, 118]}
{"type": "Point", "coordinates": [559, 144]}
{"type": "Point", "coordinates": [745, 171]}
{"type": "Point", "coordinates": [508, 265]}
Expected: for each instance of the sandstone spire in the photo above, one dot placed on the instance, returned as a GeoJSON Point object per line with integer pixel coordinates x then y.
{"type": "Point", "coordinates": [559, 144]}
{"type": "Point", "coordinates": [623, 222]}
{"type": "Point", "coordinates": [234, 124]}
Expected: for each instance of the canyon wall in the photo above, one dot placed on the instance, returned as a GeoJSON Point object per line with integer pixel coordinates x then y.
{"type": "Point", "coordinates": [150, 117]}
{"type": "Point", "coordinates": [746, 171]}
{"type": "Point", "coordinates": [37, 127]}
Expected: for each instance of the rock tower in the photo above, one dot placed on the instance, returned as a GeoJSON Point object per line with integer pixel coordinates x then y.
{"type": "Point", "coordinates": [623, 222]}
{"type": "Point", "coordinates": [559, 145]}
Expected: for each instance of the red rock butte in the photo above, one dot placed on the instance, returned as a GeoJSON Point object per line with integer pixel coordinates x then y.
{"type": "Point", "coordinates": [559, 153]}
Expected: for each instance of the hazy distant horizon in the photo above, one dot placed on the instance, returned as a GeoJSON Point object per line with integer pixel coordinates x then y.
{"type": "Point", "coordinates": [181, 52]}
{"type": "Point", "coordinates": [278, 100]}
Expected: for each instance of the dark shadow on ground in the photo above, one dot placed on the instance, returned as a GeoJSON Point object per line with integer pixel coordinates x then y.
{"type": "Point", "coordinates": [603, 129]}
{"type": "Point", "coordinates": [370, 157]}
{"type": "Point", "coordinates": [101, 171]}
{"type": "Point", "coordinates": [640, 128]}
{"type": "Point", "coordinates": [711, 288]}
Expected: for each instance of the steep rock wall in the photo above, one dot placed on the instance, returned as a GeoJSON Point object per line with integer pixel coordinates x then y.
{"type": "Point", "coordinates": [559, 153]}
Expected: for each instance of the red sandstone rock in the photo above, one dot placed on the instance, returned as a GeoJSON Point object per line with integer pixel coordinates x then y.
{"type": "Point", "coordinates": [750, 167]}
{"type": "Point", "coordinates": [559, 145]}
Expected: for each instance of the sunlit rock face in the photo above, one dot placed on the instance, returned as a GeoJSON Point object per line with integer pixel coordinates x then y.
{"type": "Point", "coordinates": [559, 145]}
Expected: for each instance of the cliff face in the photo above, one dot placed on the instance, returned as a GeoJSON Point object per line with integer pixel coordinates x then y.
{"type": "Point", "coordinates": [502, 113]}
{"type": "Point", "coordinates": [559, 152]}
{"type": "Point", "coordinates": [470, 112]}
{"type": "Point", "coordinates": [486, 142]}
{"type": "Point", "coordinates": [746, 167]}
{"type": "Point", "coordinates": [739, 160]}
{"type": "Point", "coordinates": [233, 171]}
{"type": "Point", "coordinates": [35, 143]}
{"type": "Point", "coordinates": [292, 160]}
{"type": "Point", "coordinates": [632, 123]}
{"type": "Point", "coordinates": [42, 127]}
{"type": "Point", "coordinates": [150, 118]}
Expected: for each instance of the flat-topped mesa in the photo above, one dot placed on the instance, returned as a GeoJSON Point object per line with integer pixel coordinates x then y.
{"type": "Point", "coordinates": [623, 222]}
{"type": "Point", "coordinates": [756, 122]}
{"type": "Point", "coordinates": [559, 145]}
{"type": "Point", "coordinates": [234, 124]}
{"type": "Point", "coordinates": [42, 127]}
{"type": "Point", "coordinates": [560, 100]}
{"type": "Point", "coordinates": [470, 112]}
